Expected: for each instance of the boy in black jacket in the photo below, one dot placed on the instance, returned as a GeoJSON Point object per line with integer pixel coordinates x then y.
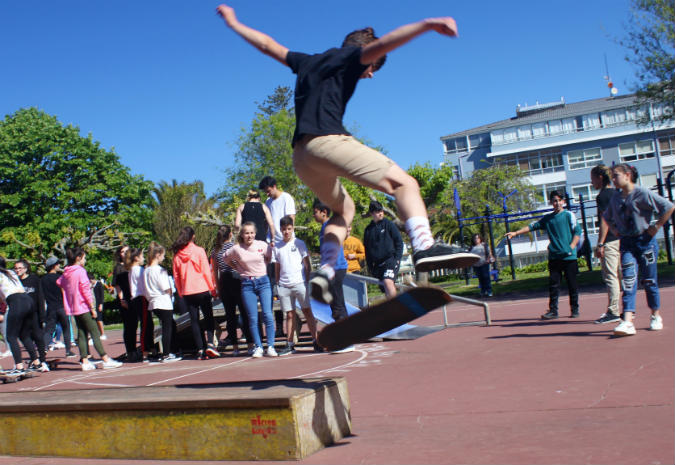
{"type": "Point", "coordinates": [384, 248]}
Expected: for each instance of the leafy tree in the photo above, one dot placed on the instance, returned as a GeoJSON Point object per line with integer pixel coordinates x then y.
{"type": "Point", "coordinates": [59, 189]}
{"type": "Point", "coordinates": [184, 204]}
{"type": "Point", "coordinates": [651, 42]}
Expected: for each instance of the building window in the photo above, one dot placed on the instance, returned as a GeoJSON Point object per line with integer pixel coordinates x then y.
{"type": "Point", "coordinates": [544, 190]}
{"type": "Point", "coordinates": [615, 117]}
{"type": "Point", "coordinates": [639, 150]}
{"type": "Point", "coordinates": [546, 161]}
{"type": "Point", "coordinates": [667, 145]}
{"type": "Point", "coordinates": [592, 225]}
{"type": "Point", "coordinates": [584, 189]}
{"type": "Point", "coordinates": [455, 145]}
{"type": "Point", "coordinates": [479, 140]}
{"type": "Point", "coordinates": [579, 159]}
{"type": "Point", "coordinates": [648, 181]}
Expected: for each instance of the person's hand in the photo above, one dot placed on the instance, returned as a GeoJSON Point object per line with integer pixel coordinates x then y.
{"type": "Point", "coordinates": [600, 252]}
{"type": "Point", "coordinates": [445, 26]}
{"type": "Point", "coordinates": [351, 256]}
{"type": "Point", "coordinates": [93, 313]}
{"type": "Point", "coordinates": [510, 235]}
{"type": "Point", "coordinates": [652, 230]}
{"type": "Point", "coordinates": [227, 13]}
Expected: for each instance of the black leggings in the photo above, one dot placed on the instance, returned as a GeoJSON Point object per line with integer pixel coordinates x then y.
{"type": "Point", "coordinates": [36, 334]}
{"type": "Point", "coordinates": [19, 318]}
{"type": "Point", "coordinates": [338, 307]}
{"type": "Point", "coordinates": [130, 326]}
{"type": "Point", "coordinates": [54, 315]}
{"type": "Point", "coordinates": [168, 328]}
{"type": "Point", "coordinates": [229, 289]}
{"type": "Point", "coordinates": [194, 303]}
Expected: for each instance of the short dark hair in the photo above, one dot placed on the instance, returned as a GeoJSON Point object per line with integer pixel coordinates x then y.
{"type": "Point", "coordinates": [555, 194]}
{"type": "Point", "coordinates": [285, 221]}
{"type": "Point", "coordinates": [361, 38]}
{"type": "Point", "coordinates": [375, 206]}
{"type": "Point", "coordinates": [322, 207]}
{"type": "Point", "coordinates": [267, 181]}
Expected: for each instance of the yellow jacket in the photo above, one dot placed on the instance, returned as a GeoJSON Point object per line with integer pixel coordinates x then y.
{"type": "Point", "coordinates": [355, 246]}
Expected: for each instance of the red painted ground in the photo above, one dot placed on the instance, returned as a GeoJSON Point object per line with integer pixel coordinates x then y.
{"type": "Point", "coordinates": [522, 391]}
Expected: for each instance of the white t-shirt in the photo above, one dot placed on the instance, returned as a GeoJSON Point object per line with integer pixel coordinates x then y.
{"type": "Point", "coordinates": [280, 207]}
{"type": "Point", "coordinates": [136, 281]}
{"type": "Point", "coordinates": [9, 286]}
{"type": "Point", "coordinates": [157, 282]}
{"type": "Point", "coordinates": [290, 255]}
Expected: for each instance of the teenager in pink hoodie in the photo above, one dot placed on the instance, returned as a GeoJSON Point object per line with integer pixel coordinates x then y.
{"type": "Point", "coordinates": [194, 282]}
{"type": "Point", "coordinates": [78, 301]}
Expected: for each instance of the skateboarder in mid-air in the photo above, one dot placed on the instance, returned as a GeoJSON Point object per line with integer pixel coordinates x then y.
{"type": "Point", "coordinates": [323, 150]}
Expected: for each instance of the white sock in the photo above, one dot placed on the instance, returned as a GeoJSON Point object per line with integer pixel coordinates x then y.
{"type": "Point", "coordinates": [419, 231]}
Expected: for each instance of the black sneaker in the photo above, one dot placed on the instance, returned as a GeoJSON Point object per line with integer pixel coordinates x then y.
{"type": "Point", "coordinates": [321, 287]}
{"type": "Point", "coordinates": [574, 314]}
{"type": "Point", "coordinates": [440, 256]}
{"type": "Point", "coordinates": [317, 348]}
{"type": "Point", "coordinates": [289, 349]}
{"type": "Point", "coordinates": [70, 354]}
{"type": "Point", "coordinates": [607, 318]}
{"type": "Point", "coordinates": [549, 316]}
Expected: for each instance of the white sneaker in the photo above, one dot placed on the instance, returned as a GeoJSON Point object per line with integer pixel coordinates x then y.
{"type": "Point", "coordinates": [656, 323]}
{"type": "Point", "coordinates": [257, 352]}
{"type": "Point", "coordinates": [59, 345]}
{"type": "Point", "coordinates": [343, 351]}
{"type": "Point", "coordinates": [626, 328]}
{"type": "Point", "coordinates": [271, 352]}
{"type": "Point", "coordinates": [111, 363]}
{"type": "Point", "coordinates": [87, 366]}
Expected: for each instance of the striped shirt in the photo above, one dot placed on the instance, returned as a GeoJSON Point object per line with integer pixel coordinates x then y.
{"type": "Point", "coordinates": [218, 257]}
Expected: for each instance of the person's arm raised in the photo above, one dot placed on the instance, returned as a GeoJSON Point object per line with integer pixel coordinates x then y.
{"type": "Point", "coordinates": [403, 34]}
{"type": "Point", "coordinates": [259, 40]}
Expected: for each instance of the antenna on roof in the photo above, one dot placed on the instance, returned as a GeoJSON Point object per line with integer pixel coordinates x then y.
{"type": "Point", "coordinates": [612, 90]}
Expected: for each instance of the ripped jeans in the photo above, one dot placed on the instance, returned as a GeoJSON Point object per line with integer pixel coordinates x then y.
{"type": "Point", "coordinates": [638, 260]}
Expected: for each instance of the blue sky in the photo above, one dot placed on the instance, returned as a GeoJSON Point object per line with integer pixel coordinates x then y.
{"type": "Point", "coordinates": [169, 87]}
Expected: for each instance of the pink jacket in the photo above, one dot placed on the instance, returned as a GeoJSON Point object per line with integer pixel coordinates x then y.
{"type": "Point", "coordinates": [74, 284]}
{"type": "Point", "coordinates": [192, 271]}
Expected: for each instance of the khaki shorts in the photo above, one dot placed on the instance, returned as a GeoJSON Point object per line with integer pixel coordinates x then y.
{"type": "Point", "coordinates": [288, 296]}
{"type": "Point", "coordinates": [320, 160]}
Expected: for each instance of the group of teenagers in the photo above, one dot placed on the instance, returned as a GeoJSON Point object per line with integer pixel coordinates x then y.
{"type": "Point", "coordinates": [630, 216]}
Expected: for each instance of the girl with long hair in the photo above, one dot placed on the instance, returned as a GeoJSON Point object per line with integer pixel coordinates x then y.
{"type": "Point", "coordinates": [134, 260]}
{"type": "Point", "coordinates": [78, 301]}
{"type": "Point", "coordinates": [229, 289]}
{"type": "Point", "coordinates": [250, 257]}
{"type": "Point", "coordinates": [635, 215]}
{"type": "Point", "coordinates": [194, 282]}
{"type": "Point", "coordinates": [482, 267]}
{"type": "Point", "coordinates": [158, 293]}
{"type": "Point", "coordinates": [20, 313]}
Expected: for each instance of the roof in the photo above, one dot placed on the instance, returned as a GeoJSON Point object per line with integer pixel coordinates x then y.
{"type": "Point", "coordinates": [529, 115]}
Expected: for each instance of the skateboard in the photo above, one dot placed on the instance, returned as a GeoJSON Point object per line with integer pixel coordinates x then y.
{"type": "Point", "coordinates": [382, 317]}
{"type": "Point", "coordinates": [54, 363]}
{"type": "Point", "coordinates": [8, 377]}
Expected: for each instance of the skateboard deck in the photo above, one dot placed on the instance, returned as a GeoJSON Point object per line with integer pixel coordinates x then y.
{"type": "Point", "coordinates": [454, 261]}
{"type": "Point", "coordinates": [382, 317]}
{"type": "Point", "coordinates": [14, 377]}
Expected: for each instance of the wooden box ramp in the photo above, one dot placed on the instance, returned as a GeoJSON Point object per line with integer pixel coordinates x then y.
{"type": "Point", "coordinates": [258, 420]}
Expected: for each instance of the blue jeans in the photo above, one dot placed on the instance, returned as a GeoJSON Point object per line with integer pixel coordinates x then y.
{"type": "Point", "coordinates": [638, 259]}
{"type": "Point", "coordinates": [252, 291]}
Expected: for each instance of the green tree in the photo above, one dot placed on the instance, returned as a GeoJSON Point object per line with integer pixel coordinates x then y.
{"type": "Point", "coordinates": [651, 43]}
{"type": "Point", "coordinates": [185, 204]}
{"type": "Point", "coordinates": [59, 189]}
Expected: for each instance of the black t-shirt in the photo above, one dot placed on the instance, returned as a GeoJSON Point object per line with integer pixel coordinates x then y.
{"type": "Point", "coordinates": [52, 292]}
{"type": "Point", "coordinates": [325, 83]}
{"type": "Point", "coordinates": [602, 203]}
{"type": "Point", "coordinates": [253, 211]}
{"type": "Point", "coordinates": [121, 279]}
